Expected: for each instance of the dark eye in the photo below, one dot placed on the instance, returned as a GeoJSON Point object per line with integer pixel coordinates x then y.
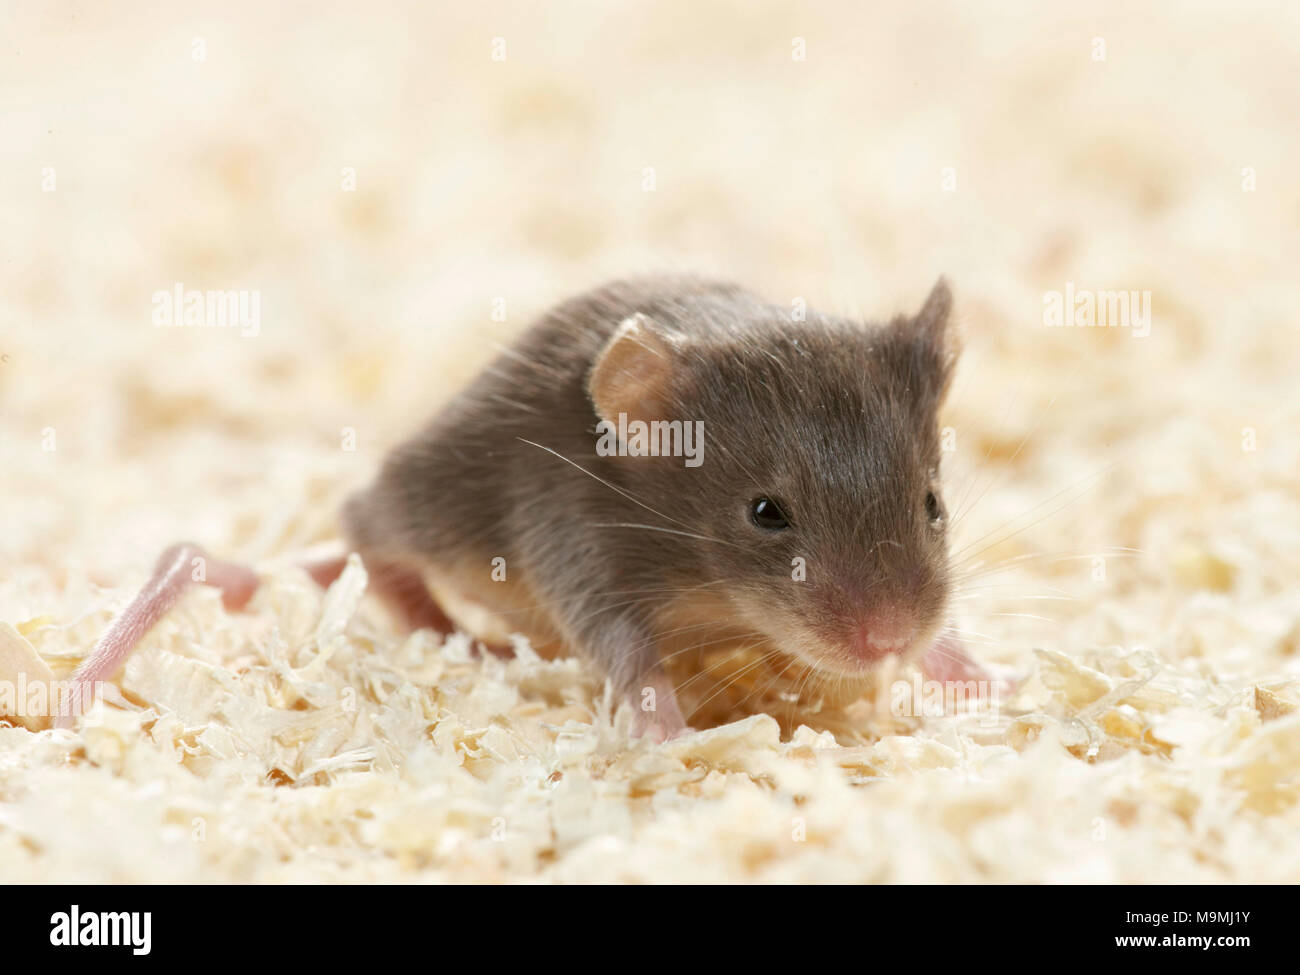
{"type": "Point", "coordinates": [766, 514]}
{"type": "Point", "coordinates": [933, 509]}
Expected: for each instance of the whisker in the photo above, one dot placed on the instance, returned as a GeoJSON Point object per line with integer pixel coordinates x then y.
{"type": "Point", "coordinates": [668, 531]}
{"type": "Point", "coordinates": [965, 550]}
{"type": "Point", "coordinates": [612, 487]}
{"type": "Point", "coordinates": [547, 604]}
{"type": "Point", "coordinates": [1049, 558]}
{"type": "Point", "coordinates": [727, 685]}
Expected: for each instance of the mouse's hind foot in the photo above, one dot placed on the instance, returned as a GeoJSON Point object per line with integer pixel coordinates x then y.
{"type": "Point", "coordinates": [403, 590]}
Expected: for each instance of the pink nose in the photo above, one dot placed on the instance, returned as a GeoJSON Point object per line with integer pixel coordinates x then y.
{"type": "Point", "coordinates": [876, 639]}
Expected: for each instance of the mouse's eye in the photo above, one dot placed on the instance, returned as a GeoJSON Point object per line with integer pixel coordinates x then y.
{"type": "Point", "coordinates": [933, 508]}
{"type": "Point", "coordinates": [767, 514]}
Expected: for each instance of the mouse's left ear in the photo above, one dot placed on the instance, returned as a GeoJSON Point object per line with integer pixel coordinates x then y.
{"type": "Point", "coordinates": [633, 372]}
{"type": "Point", "coordinates": [934, 331]}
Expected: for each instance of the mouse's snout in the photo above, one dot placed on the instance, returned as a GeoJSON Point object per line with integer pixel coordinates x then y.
{"type": "Point", "coordinates": [878, 636]}
{"type": "Point", "coordinates": [861, 622]}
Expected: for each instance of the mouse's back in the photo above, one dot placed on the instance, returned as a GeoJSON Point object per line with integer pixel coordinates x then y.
{"type": "Point", "coordinates": [464, 477]}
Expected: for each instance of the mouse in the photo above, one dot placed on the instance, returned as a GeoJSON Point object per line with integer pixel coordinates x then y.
{"type": "Point", "coordinates": [654, 465]}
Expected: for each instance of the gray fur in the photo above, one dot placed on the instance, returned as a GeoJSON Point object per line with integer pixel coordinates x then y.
{"type": "Point", "coordinates": [835, 418]}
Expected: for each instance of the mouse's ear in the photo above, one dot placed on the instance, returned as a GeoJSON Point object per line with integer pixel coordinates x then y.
{"type": "Point", "coordinates": [934, 330]}
{"type": "Point", "coordinates": [633, 371]}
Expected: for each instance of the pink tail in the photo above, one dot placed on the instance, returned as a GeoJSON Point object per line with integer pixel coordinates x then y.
{"type": "Point", "coordinates": [176, 569]}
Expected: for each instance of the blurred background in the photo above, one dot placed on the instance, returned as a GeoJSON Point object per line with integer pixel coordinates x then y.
{"type": "Point", "coordinates": [390, 179]}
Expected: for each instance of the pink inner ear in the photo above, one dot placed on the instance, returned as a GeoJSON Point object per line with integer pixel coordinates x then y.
{"type": "Point", "coordinates": [632, 374]}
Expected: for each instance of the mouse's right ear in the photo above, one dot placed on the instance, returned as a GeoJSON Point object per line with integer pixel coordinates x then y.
{"type": "Point", "coordinates": [633, 371]}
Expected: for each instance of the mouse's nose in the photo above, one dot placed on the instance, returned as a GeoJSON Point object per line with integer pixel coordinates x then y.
{"type": "Point", "coordinates": [877, 637]}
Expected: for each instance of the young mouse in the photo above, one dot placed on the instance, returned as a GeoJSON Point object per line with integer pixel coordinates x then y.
{"type": "Point", "coordinates": [660, 464]}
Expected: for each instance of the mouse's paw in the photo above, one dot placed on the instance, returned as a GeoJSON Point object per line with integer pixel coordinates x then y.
{"type": "Point", "coordinates": [655, 713]}
{"type": "Point", "coordinates": [949, 663]}
{"type": "Point", "coordinates": [658, 728]}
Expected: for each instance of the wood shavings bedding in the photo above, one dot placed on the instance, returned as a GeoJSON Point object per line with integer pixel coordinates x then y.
{"type": "Point", "coordinates": [325, 747]}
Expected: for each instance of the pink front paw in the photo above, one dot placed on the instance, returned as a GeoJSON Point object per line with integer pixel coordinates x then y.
{"type": "Point", "coordinates": [656, 715]}
{"type": "Point", "coordinates": [949, 663]}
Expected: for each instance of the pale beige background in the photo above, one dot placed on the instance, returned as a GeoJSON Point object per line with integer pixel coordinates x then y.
{"type": "Point", "coordinates": [522, 180]}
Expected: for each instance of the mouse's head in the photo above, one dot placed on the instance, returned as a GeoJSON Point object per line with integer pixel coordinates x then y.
{"type": "Point", "coordinates": [816, 505]}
